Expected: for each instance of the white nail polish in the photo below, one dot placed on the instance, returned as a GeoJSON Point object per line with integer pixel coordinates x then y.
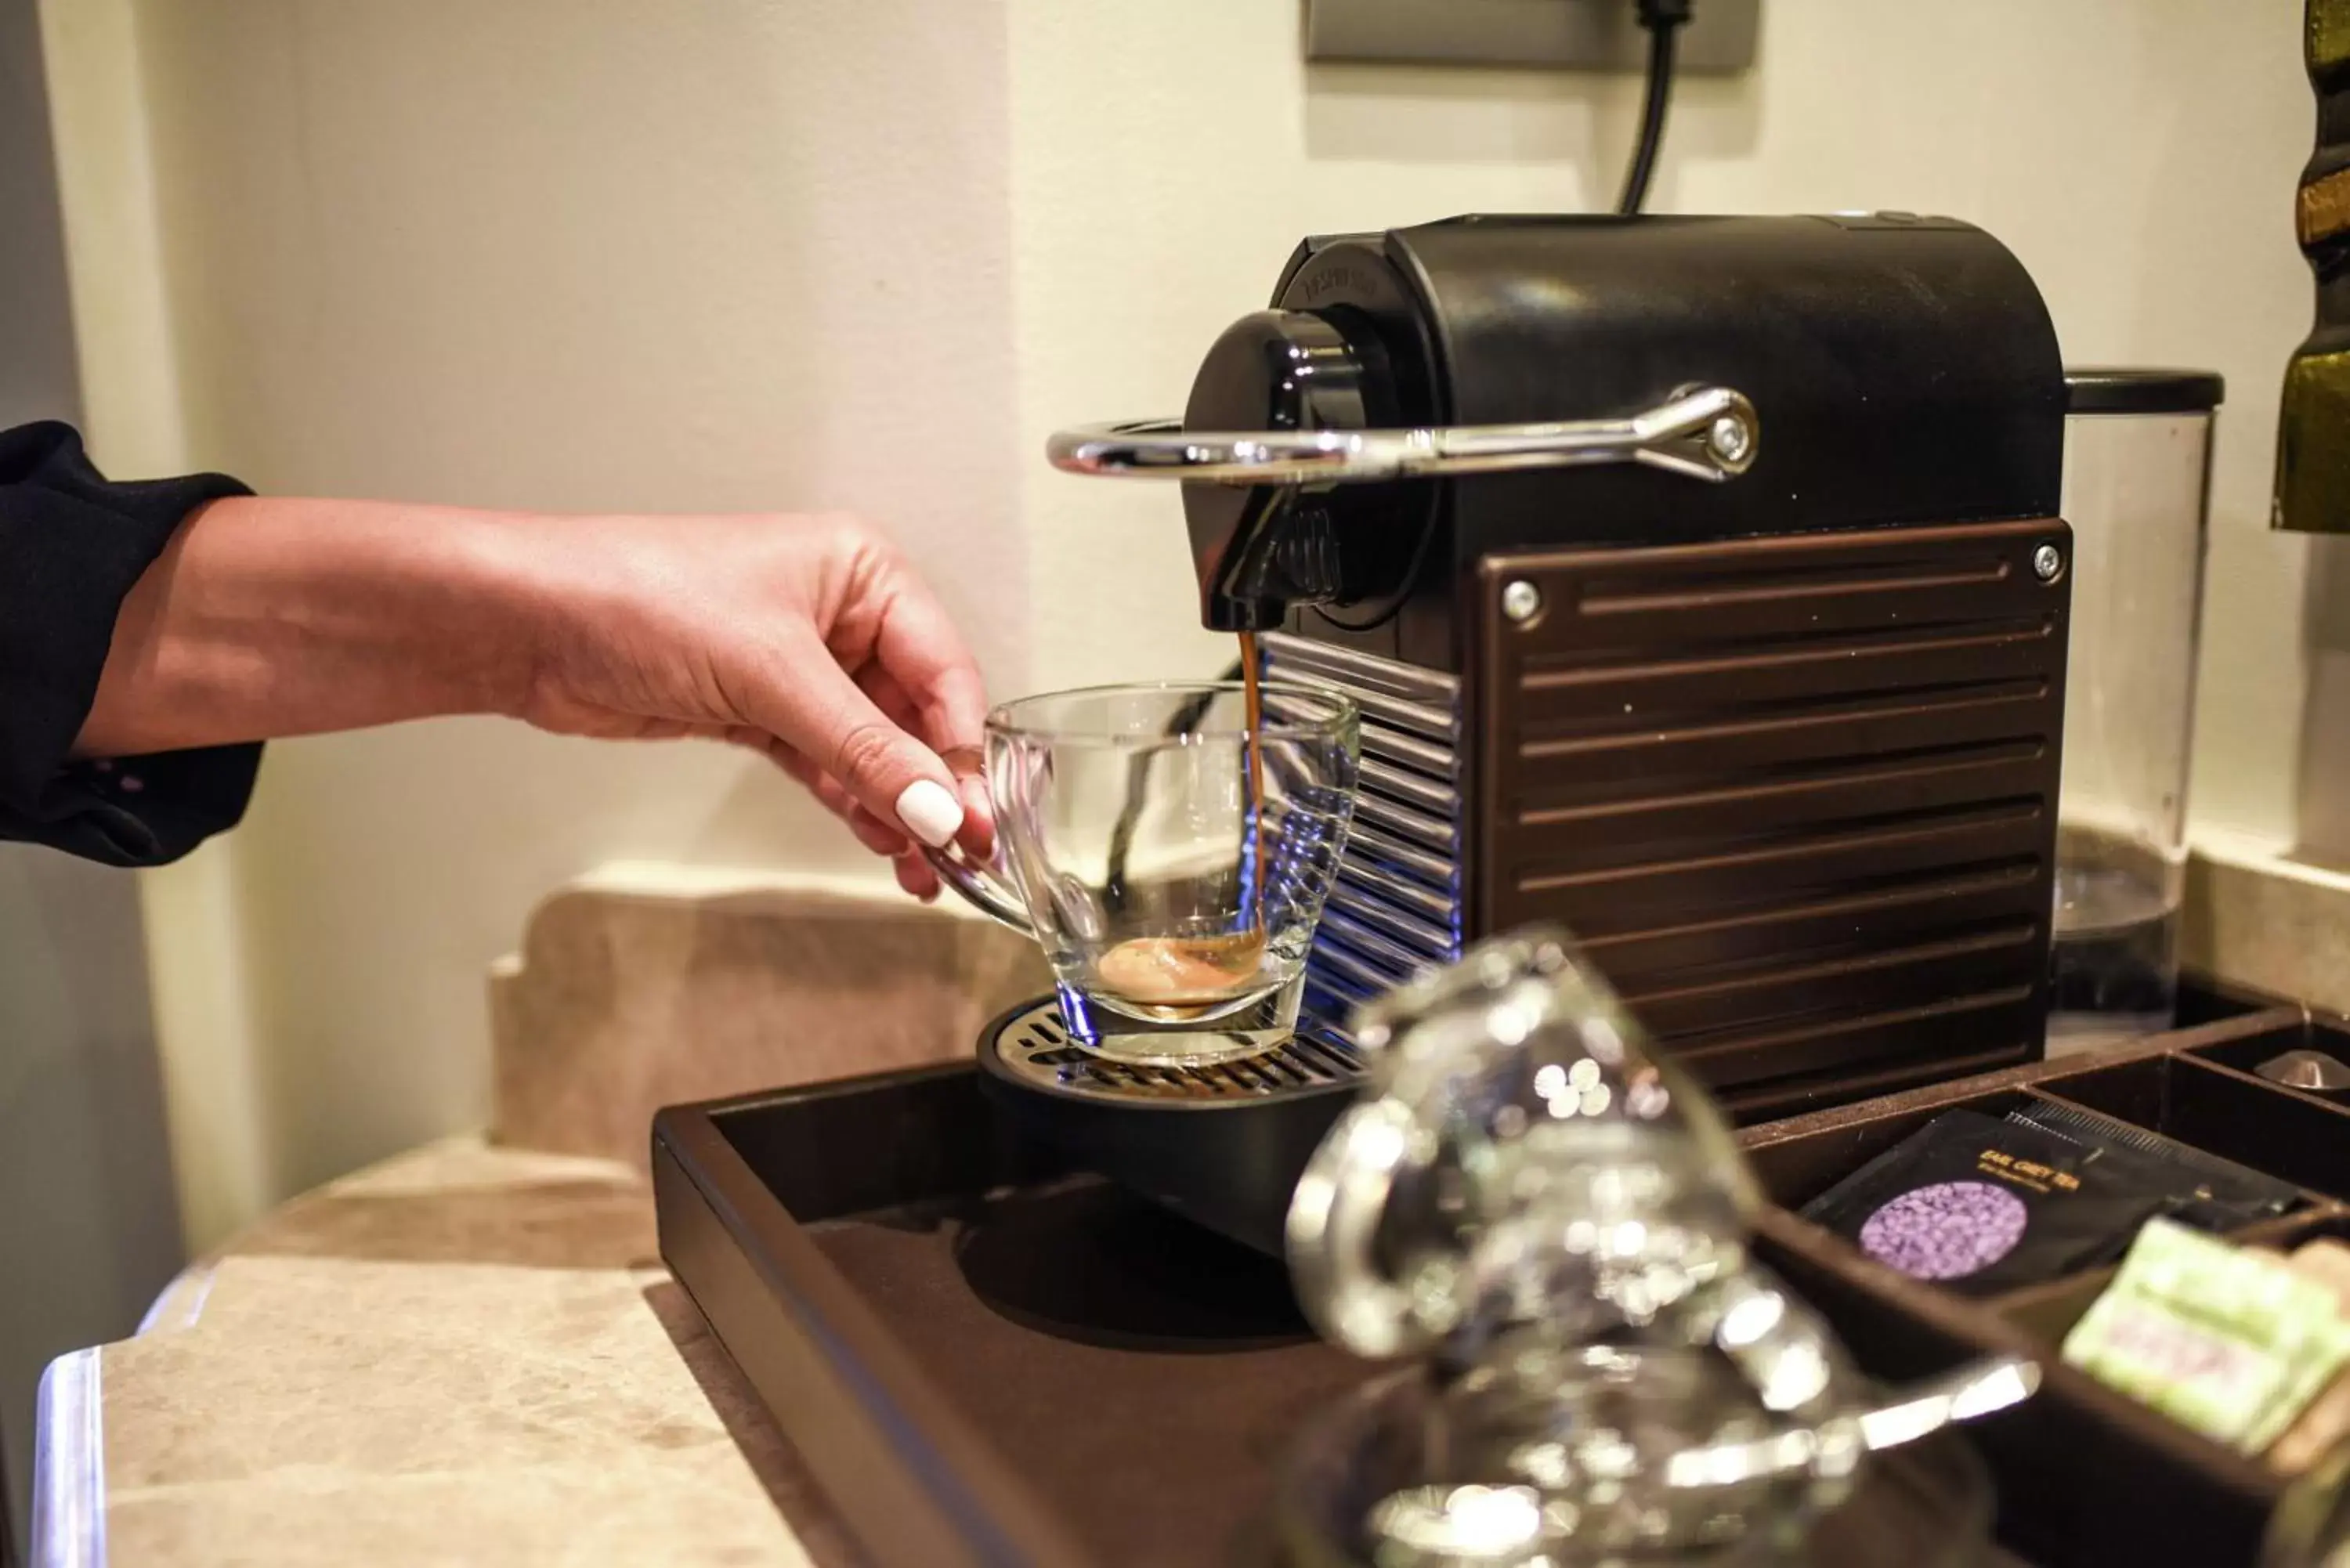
{"type": "Point", "coordinates": [930, 811]}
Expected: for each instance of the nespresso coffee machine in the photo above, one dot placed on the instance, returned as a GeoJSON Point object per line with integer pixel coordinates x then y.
{"type": "Point", "coordinates": [1701, 586]}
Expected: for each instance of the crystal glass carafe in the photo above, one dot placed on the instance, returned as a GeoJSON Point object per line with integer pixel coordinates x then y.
{"type": "Point", "coordinates": [1555, 1217]}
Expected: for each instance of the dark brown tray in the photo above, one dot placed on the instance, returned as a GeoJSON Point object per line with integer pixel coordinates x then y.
{"type": "Point", "coordinates": [985, 1357]}
{"type": "Point", "coordinates": [2085, 1476]}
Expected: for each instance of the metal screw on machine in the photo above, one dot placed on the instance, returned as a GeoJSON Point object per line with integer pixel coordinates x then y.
{"type": "Point", "coordinates": [1521, 600]}
{"type": "Point", "coordinates": [1731, 439]}
{"type": "Point", "coordinates": [2047, 562]}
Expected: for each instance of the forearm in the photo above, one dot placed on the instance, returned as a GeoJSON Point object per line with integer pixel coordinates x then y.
{"type": "Point", "coordinates": [267, 618]}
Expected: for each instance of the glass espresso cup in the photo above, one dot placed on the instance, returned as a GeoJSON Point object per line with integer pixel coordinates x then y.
{"type": "Point", "coordinates": [1170, 858]}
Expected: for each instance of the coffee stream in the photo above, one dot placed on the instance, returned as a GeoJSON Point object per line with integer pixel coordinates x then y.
{"type": "Point", "coordinates": [1253, 700]}
{"type": "Point", "coordinates": [1199, 972]}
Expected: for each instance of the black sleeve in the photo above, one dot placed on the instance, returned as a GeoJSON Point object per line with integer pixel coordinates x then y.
{"type": "Point", "coordinates": [71, 545]}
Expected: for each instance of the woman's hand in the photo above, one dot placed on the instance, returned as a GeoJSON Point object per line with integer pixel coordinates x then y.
{"type": "Point", "coordinates": [805, 638]}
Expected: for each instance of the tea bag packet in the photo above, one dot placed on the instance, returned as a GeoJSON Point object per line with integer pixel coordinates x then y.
{"type": "Point", "coordinates": [2208, 1192]}
{"type": "Point", "coordinates": [2316, 1432]}
{"type": "Point", "coordinates": [2326, 1422]}
{"type": "Point", "coordinates": [2220, 1338]}
{"type": "Point", "coordinates": [2326, 1262]}
{"type": "Point", "coordinates": [1980, 1205]}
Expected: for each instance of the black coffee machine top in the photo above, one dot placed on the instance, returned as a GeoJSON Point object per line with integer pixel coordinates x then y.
{"type": "Point", "coordinates": [1899, 370]}
{"type": "Point", "coordinates": [1701, 585]}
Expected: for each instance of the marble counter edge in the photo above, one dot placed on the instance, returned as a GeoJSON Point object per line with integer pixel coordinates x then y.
{"type": "Point", "coordinates": [68, 1523]}
{"type": "Point", "coordinates": [604, 1262]}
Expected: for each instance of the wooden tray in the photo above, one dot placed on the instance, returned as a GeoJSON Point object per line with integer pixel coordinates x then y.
{"type": "Point", "coordinates": [2086, 1475]}
{"type": "Point", "coordinates": [986, 1357]}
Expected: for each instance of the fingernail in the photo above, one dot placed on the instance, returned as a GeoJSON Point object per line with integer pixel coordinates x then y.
{"type": "Point", "coordinates": [930, 811]}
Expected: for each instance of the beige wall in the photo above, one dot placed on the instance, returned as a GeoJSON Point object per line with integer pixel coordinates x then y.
{"type": "Point", "coordinates": [2139, 155]}
{"type": "Point", "coordinates": [565, 253]}
{"type": "Point", "coordinates": [705, 253]}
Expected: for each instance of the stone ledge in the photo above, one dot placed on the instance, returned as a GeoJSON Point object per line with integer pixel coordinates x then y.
{"type": "Point", "coordinates": [462, 1354]}
{"type": "Point", "coordinates": [2257, 915]}
{"type": "Point", "coordinates": [644, 985]}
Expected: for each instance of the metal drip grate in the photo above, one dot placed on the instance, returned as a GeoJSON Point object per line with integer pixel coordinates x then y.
{"type": "Point", "coordinates": [1032, 1049]}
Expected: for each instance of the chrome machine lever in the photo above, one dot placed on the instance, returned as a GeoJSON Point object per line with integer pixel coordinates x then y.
{"type": "Point", "coordinates": [1702, 432]}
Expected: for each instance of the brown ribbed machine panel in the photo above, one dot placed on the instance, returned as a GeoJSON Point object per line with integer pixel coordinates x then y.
{"type": "Point", "coordinates": [1796, 794]}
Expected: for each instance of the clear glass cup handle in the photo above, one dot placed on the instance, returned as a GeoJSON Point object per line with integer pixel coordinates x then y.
{"type": "Point", "coordinates": [984, 888]}
{"type": "Point", "coordinates": [1980, 1387]}
{"type": "Point", "coordinates": [1333, 1225]}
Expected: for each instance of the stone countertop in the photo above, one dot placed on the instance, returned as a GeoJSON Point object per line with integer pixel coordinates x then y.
{"type": "Point", "coordinates": [465, 1355]}
{"type": "Point", "coordinates": [471, 1353]}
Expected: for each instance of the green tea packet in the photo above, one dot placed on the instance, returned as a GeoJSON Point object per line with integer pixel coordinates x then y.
{"type": "Point", "coordinates": [2231, 1342]}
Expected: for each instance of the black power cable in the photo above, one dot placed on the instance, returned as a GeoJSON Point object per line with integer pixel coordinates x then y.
{"type": "Point", "coordinates": [1664, 19]}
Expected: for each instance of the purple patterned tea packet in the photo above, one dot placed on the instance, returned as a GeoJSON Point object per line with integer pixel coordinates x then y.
{"type": "Point", "coordinates": [1979, 1205]}
{"type": "Point", "coordinates": [1945, 1231]}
